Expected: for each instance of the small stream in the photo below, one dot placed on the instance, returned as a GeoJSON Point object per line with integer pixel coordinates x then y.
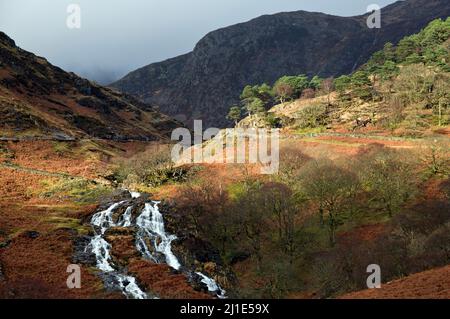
{"type": "Point", "coordinates": [151, 237]}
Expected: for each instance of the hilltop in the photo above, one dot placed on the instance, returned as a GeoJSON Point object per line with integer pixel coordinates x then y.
{"type": "Point", "coordinates": [39, 100]}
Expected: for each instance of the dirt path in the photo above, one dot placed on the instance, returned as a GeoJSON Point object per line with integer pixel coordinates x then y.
{"type": "Point", "coordinates": [37, 171]}
{"type": "Point", "coordinates": [33, 171]}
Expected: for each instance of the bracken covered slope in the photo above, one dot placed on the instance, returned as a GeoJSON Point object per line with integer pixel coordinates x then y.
{"type": "Point", "coordinates": [431, 284]}
{"type": "Point", "coordinates": [39, 100]}
{"type": "Point", "coordinates": [203, 84]}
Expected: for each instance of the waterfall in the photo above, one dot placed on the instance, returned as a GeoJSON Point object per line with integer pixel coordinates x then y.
{"type": "Point", "coordinates": [125, 219]}
{"type": "Point", "coordinates": [101, 249]}
{"type": "Point", "coordinates": [151, 225]}
{"type": "Point", "coordinates": [151, 237]}
{"type": "Point", "coordinates": [212, 285]}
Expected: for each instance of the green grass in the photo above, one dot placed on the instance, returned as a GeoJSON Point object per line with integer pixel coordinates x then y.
{"type": "Point", "coordinates": [60, 222]}
{"type": "Point", "coordinates": [61, 148]}
{"type": "Point", "coordinates": [81, 191]}
{"type": "Point", "coordinates": [89, 148]}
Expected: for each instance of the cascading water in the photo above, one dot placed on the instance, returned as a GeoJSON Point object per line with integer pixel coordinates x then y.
{"type": "Point", "coordinates": [101, 249]}
{"type": "Point", "coordinates": [212, 285]}
{"type": "Point", "coordinates": [151, 225]}
{"type": "Point", "coordinates": [151, 237]}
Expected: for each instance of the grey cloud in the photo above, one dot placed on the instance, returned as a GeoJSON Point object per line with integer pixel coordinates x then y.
{"type": "Point", "coordinates": [118, 36]}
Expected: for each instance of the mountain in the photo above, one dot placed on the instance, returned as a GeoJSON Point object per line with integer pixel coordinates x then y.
{"type": "Point", "coordinates": [204, 83]}
{"type": "Point", "coordinates": [383, 95]}
{"type": "Point", "coordinates": [39, 100]}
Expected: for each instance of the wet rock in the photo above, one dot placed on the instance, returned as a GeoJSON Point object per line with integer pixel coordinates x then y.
{"type": "Point", "coordinates": [114, 197]}
{"type": "Point", "coordinates": [4, 240]}
{"type": "Point", "coordinates": [123, 249]}
{"type": "Point", "coordinates": [110, 282]}
{"type": "Point", "coordinates": [81, 252]}
{"type": "Point", "coordinates": [199, 250]}
{"type": "Point", "coordinates": [117, 213]}
{"type": "Point", "coordinates": [139, 205]}
{"type": "Point", "coordinates": [196, 282]}
{"type": "Point", "coordinates": [195, 253]}
{"type": "Point", "coordinates": [120, 231]}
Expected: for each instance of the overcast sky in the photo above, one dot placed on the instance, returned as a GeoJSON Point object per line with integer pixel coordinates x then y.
{"type": "Point", "coordinates": [117, 36]}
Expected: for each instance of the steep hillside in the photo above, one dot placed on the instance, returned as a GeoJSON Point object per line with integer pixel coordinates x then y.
{"type": "Point", "coordinates": [39, 100]}
{"type": "Point", "coordinates": [431, 284]}
{"type": "Point", "coordinates": [206, 82]}
{"type": "Point", "coordinates": [403, 90]}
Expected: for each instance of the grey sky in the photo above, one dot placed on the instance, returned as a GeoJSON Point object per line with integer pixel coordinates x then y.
{"type": "Point", "coordinates": [118, 36]}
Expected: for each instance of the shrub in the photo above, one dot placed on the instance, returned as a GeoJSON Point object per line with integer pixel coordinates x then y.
{"type": "Point", "coordinates": [312, 116]}
{"type": "Point", "coordinates": [154, 167]}
{"type": "Point", "coordinates": [61, 148]}
{"type": "Point", "coordinates": [273, 121]}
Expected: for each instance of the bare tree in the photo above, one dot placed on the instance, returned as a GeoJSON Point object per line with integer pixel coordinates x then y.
{"type": "Point", "coordinates": [389, 179]}
{"type": "Point", "coordinates": [283, 91]}
{"type": "Point", "coordinates": [327, 88]}
{"type": "Point", "coordinates": [330, 186]}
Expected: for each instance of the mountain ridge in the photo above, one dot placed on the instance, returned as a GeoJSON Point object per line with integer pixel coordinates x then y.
{"type": "Point", "coordinates": [42, 101]}
{"type": "Point", "coordinates": [204, 83]}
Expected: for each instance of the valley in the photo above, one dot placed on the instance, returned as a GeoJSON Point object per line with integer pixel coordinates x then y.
{"type": "Point", "coordinates": [56, 195]}
{"type": "Point", "coordinates": [361, 125]}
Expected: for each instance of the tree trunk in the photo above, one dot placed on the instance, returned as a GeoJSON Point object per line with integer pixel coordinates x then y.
{"type": "Point", "coordinates": [322, 220]}
{"type": "Point", "coordinates": [332, 229]}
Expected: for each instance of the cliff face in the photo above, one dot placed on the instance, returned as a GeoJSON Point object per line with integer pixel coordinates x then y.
{"type": "Point", "coordinates": [204, 83]}
{"type": "Point", "coordinates": [39, 100]}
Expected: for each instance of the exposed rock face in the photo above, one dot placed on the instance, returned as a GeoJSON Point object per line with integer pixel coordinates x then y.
{"type": "Point", "coordinates": [203, 84]}
{"type": "Point", "coordinates": [40, 100]}
{"type": "Point", "coordinates": [82, 255]}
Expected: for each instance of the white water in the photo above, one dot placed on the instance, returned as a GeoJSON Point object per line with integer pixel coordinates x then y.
{"type": "Point", "coordinates": [125, 219]}
{"type": "Point", "coordinates": [212, 285]}
{"type": "Point", "coordinates": [130, 288]}
{"type": "Point", "coordinates": [150, 231]}
{"type": "Point", "coordinates": [151, 225]}
{"type": "Point", "coordinates": [135, 194]}
{"type": "Point", "coordinates": [101, 249]}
